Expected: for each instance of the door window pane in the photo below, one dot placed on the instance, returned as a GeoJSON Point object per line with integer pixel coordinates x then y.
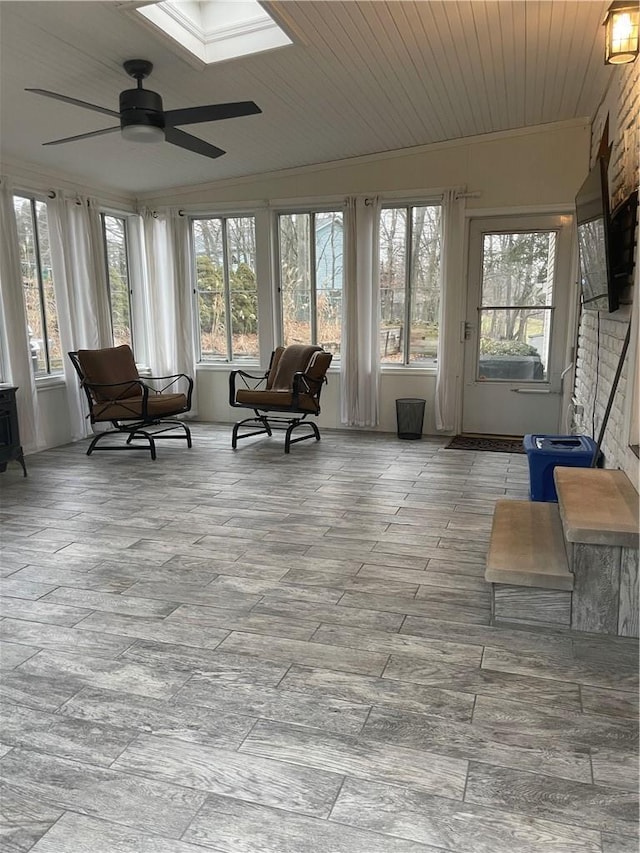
{"type": "Point", "coordinates": [518, 269]}
{"type": "Point", "coordinates": [514, 343]}
{"type": "Point", "coordinates": [517, 300]}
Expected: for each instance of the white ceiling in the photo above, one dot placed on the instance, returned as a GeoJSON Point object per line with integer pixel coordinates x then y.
{"type": "Point", "coordinates": [361, 78]}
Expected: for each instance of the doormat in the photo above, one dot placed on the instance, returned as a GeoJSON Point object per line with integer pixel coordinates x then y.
{"type": "Point", "coordinates": [492, 443]}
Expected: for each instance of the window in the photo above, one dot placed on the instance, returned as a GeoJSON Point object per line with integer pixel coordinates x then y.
{"type": "Point", "coordinates": [115, 248]}
{"type": "Point", "coordinates": [311, 271]}
{"type": "Point", "coordinates": [37, 286]}
{"type": "Point", "coordinates": [215, 30]}
{"type": "Point", "coordinates": [410, 242]}
{"type": "Point", "coordinates": [226, 288]}
{"type": "Point", "coordinates": [516, 308]}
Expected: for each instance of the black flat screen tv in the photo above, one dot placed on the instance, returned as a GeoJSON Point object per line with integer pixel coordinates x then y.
{"type": "Point", "coordinates": [599, 291]}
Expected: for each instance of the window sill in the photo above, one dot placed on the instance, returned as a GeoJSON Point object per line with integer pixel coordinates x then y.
{"type": "Point", "coordinates": [228, 365]}
{"type": "Point", "coordinates": [408, 369]}
{"type": "Point", "coordinates": [45, 383]}
{"type": "Point", "coordinates": [385, 369]}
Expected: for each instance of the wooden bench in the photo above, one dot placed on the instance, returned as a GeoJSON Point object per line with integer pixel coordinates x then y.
{"type": "Point", "coordinates": [527, 564]}
{"type": "Point", "coordinates": [571, 564]}
{"type": "Point", "coordinates": [599, 512]}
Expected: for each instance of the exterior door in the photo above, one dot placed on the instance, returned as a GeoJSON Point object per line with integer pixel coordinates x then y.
{"type": "Point", "coordinates": [516, 328]}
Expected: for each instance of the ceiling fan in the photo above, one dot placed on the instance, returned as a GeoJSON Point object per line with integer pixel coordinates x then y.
{"type": "Point", "coordinates": [142, 118]}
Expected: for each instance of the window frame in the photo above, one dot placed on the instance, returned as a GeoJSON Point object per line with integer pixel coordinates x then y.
{"type": "Point", "coordinates": [126, 219]}
{"type": "Point", "coordinates": [49, 376]}
{"type": "Point", "coordinates": [409, 204]}
{"type": "Point", "coordinates": [550, 307]}
{"type": "Point", "coordinates": [231, 358]}
{"type": "Point", "coordinates": [311, 210]}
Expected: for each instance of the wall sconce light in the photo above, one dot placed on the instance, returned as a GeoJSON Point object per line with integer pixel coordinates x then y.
{"type": "Point", "coordinates": [621, 32]}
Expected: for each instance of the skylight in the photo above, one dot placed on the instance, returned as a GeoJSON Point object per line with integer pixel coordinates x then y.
{"type": "Point", "coordinates": [214, 30]}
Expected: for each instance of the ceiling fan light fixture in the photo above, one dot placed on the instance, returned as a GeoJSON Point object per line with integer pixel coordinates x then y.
{"type": "Point", "coordinates": [142, 133]}
{"type": "Point", "coordinates": [142, 118]}
{"type": "Point", "coordinates": [622, 32]}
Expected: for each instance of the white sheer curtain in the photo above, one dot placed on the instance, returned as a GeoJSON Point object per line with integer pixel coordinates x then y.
{"type": "Point", "coordinates": [451, 306]}
{"type": "Point", "coordinates": [13, 325]}
{"type": "Point", "coordinates": [168, 302]}
{"type": "Point", "coordinates": [80, 280]}
{"type": "Point", "coordinates": [360, 357]}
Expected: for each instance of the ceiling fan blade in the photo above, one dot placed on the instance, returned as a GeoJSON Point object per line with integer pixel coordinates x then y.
{"type": "Point", "coordinates": [74, 101]}
{"type": "Point", "coordinates": [214, 112]}
{"type": "Point", "coordinates": [82, 136]}
{"type": "Point", "coordinates": [191, 143]}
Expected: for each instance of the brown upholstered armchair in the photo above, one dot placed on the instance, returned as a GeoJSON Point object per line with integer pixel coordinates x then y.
{"type": "Point", "coordinates": [291, 386]}
{"type": "Point", "coordinates": [138, 408]}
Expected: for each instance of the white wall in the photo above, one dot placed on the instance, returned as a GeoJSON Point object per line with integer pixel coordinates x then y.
{"type": "Point", "coordinates": [539, 167]}
{"type": "Point", "coordinates": [54, 415]}
{"type": "Point", "coordinates": [213, 395]}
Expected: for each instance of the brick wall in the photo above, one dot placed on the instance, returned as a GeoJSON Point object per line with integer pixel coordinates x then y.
{"type": "Point", "coordinates": [601, 335]}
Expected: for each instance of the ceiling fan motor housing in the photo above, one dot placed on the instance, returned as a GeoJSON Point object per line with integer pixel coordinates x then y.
{"type": "Point", "coordinates": [142, 118]}
{"type": "Point", "coordinates": [141, 107]}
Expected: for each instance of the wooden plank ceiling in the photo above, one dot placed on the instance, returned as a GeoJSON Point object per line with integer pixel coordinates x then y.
{"type": "Point", "coordinates": [360, 78]}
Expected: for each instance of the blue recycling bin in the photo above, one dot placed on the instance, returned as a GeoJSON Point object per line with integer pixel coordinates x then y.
{"type": "Point", "coordinates": [544, 452]}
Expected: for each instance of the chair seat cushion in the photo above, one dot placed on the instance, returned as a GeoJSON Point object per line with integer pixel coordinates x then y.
{"type": "Point", "coordinates": [275, 401]}
{"type": "Point", "coordinates": [130, 408]}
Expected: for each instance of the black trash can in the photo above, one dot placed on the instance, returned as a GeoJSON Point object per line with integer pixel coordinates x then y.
{"type": "Point", "coordinates": [410, 416]}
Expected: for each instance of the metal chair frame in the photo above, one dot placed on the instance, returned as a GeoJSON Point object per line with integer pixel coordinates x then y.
{"type": "Point", "coordinates": [143, 424]}
{"type": "Point", "coordinates": [267, 423]}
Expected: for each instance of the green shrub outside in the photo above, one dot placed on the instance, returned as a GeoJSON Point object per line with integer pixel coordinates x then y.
{"type": "Point", "coordinates": [488, 346]}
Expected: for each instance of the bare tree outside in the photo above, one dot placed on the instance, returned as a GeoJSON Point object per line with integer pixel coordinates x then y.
{"type": "Point", "coordinates": [329, 235]}
{"type": "Point", "coordinates": [410, 246]}
{"type": "Point", "coordinates": [393, 281]}
{"type": "Point", "coordinates": [295, 277]}
{"type": "Point", "coordinates": [226, 287]}
{"type": "Point", "coordinates": [38, 286]}
{"type": "Point", "coordinates": [311, 278]}
{"type": "Point", "coordinates": [517, 296]}
{"type": "Point", "coordinates": [115, 240]}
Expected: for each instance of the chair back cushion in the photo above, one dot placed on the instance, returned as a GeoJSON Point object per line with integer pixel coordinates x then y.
{"type": "Point", "coordinates": [113, 366]}
{"type": "Point", "coordinates": [293, 359]}
{"type": "Point", "coordinates": [317, 368]}
{"type": "Point", "coordinates": [273, 366]}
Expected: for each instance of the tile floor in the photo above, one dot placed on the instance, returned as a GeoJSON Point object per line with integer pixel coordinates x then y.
{"type": "Point", "coordinates": [247, 652]}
